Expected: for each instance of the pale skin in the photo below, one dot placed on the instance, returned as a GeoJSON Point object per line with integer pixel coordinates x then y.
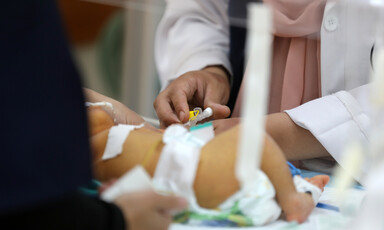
{"type": "Point", "coordinates": [212, 184]}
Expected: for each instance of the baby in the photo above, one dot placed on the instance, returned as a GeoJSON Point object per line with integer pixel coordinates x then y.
{"type": "Point", "coordinates": [215, 179]}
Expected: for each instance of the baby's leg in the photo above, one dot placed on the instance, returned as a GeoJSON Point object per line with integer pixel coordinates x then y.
{"type": "Point", "coordinates": [296, 206]}
{"type": "Point", "coordinates": [215, 175]}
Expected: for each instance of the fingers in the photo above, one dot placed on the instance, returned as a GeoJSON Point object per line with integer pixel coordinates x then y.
{"type": "Point", "coordinates": [219, 111]}
{"type": "Point", "coordinates": [180, 104]}
{"type": "Point", "coordinates": [164, 110]}
{"type": "Point", "coordinates": [172, 104]}
{"type": "Point", "coordinates": [196, 88]}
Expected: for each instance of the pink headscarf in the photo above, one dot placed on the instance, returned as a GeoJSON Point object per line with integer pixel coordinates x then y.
{"type": "Point", "coordinates": [295, 73]}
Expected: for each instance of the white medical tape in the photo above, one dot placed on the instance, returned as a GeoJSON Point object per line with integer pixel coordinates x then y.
{"type": "Point", "coordinates": [101, 103]}
{"type": "Point", "coordinates": [204, 132]}
{"type": "Point", "coordinates": [116, 138]}
{"type": "Point", "coordinates": [304, 186]}
{"type": "Point", "coordinates": [176, 169]}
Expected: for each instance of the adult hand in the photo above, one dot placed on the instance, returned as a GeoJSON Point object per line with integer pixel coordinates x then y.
{"type": "Point", "coordinates": [148, 210]}
{"type": "Point", "coordinates": [205, 88]}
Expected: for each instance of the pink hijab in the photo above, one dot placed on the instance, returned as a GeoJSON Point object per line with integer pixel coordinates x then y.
{"type": "Point", "coordinates": [295, 73]}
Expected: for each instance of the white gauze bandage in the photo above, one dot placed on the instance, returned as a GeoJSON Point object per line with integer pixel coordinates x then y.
{"type": "Point", "coordinates": [304, 186]}
{"type": "Point", "coordinates": [116, 138]}
{"type": "Point", "coordinates": [176, 168]}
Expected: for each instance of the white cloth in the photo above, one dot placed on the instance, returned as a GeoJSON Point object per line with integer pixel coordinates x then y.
{"type": "Point", "coordinates": [194, 34]}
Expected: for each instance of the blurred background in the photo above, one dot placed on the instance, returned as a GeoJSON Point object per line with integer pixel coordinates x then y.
{"type": "Point", "coordinates": [113, 44]}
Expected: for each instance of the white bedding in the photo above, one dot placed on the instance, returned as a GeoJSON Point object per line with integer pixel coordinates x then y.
{"type": "Point", "coordinates": [320, 218]}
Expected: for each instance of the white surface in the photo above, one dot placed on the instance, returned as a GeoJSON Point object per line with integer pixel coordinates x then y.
{"type": "Point", "coordinates": [320, 219]}
{"type": "Point", "coordinates": [370, 216]}
{"type": "Point", "coordinates": [136, 179]}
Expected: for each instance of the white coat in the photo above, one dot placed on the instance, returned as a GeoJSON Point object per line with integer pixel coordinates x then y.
{"type": "Point", "coordinates": [194, 34]}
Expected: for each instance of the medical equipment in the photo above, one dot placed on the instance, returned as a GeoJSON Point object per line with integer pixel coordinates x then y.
{"type": "Point", "coordinates": [259, 43]}
{"type": "Point", "coordinates": [198, 115]}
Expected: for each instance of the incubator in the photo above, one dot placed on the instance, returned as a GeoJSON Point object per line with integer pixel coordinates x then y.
{"type": "Point", "coordinates": [351, 49]}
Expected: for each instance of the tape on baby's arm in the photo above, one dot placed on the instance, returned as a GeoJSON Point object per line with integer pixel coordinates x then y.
{"type": "Point", "coordinates": [116, 138]}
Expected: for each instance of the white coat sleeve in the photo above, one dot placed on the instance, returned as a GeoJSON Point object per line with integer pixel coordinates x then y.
{"type": "Point", "coordinates": [335, 119]}
{"type": "Point", "coordinates": [192, 34]}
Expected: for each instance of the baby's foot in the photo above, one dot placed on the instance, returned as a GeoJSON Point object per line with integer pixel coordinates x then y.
{"type": "Point", "coordinates": [320, 181]}
{"type": "Point", "coordinates": [300, 205]}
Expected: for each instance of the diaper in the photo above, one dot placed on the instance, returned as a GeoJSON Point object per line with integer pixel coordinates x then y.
{"type": "Point", "coordinates": [252, 205]}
